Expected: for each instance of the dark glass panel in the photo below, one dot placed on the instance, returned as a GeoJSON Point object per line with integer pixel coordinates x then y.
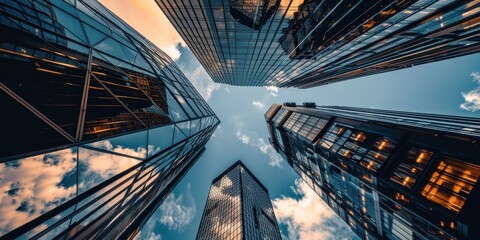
{"type": "Point", "coordinates": [44, 77]}
{"type": "Point", "coordinates": [130, 93]}
{"type": "Point", "coordinates": [411, 167]}
{"type": "Point", "coordinates": [105, 116]}
{"type": "Point", "coordinates": [22, 131]}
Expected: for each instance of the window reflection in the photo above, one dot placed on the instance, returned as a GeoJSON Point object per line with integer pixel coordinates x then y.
{"type": "Point", "coordinates": [95, 167]}
{"type": "Point", "coordinates": [367, 149]}
{"type": "Point", "coordinates": [35, 185]}
{"type": "Point", "coordinates": [411, 167]}
{"type": "Point", "coordinates": [451, 183]}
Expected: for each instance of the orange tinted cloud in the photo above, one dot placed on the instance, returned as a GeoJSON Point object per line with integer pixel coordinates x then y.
{"type": "Point", "coordinates": [147, 18]}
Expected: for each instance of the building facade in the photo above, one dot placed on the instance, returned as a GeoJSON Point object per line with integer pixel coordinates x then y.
{"type": "Point", "coordinates": [387, 174]}
{"type": "Point", "coordinates": [297, 43]}
{"type": "Point", "coordinates": [97, 124]}
{"type": "Point", "coordinates": [238, 207]}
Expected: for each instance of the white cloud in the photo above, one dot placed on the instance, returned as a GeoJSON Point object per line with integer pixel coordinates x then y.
{"type": "Point", "coordinates": [258, 105]}
{"type": "Point", "coordinates": [227, 89]}
{"type": "Point", "coordinates": [242, 137]}
{"type": "Point", "coordinates": [175, 214]}
{"type": "Point", "coordinates": [273, 90]}
{"type": "Point", "coordinates": [472, 98]}
{"type": "Point", "coordinates": [201, 81]}
{"type": "Point", "coordinates": [275, 160]}
{"type": "Point", "coordinates": [35, 185]}
{"type": "Point", "coordinates": [309, 217]}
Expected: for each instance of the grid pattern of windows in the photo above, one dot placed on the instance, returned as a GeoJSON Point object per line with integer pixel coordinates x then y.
{"type": "Point", "coordinates": [367, 149]}
{"type": "Point", "coordinates": [238, 207]}
{"type": "Point", "coordinates": [411, 167]}
{"type": "Point", "coordinates": [304, 125]}
{"type": "Point", "coordinates": [308, 43]}
{"type": "Point", "coordinates": [281, 114]}
{"type": "Point", "coordinates": [388, 170]}
{"type": "Point", "coordinates": [451, 183]}
{"type": "Point", "coordinates": [108, 123]}
{"type": "Point", "coordinates": [222, 218]}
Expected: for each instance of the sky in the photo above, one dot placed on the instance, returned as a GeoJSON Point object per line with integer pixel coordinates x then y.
{"type": "Point", "coordinates": [447, 87]}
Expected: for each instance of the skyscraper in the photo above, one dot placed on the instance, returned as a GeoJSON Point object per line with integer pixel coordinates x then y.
{"type": "Point", "coordinates": [296, 43]}
{"type": "Point", "coordinates": [238, 207]}
{"type": "Point", "coordinates": [387, 174]}
{"type": "Point", "coordinates": [97, 124]}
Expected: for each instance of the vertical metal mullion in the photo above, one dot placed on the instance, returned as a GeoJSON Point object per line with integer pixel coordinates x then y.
{"type": "Point", "coordinates": [83, 105]}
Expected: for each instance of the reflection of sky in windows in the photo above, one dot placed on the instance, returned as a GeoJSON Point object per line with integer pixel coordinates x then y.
{"type": "Point", "coordinates": [34, 185]}
{"type": "Point", "coordinates": [133, 89]}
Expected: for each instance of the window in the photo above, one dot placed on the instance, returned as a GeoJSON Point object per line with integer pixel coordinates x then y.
{"type": "Point", "coordinates": [451, 183]}
{"type": "Point", "coordinates": [367, 149]}
{"type": "Point", "coordinates": [411, 167]}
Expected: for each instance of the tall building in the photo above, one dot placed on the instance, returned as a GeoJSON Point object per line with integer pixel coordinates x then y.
{"type": "Point", "coordinates": [387, 174]}
{"type": "Point", "coordinates": [297, 43]}
{"type": "Point", "coordinates": [97, 124]}
{"type": "Point", "coordinates": [238, 207]}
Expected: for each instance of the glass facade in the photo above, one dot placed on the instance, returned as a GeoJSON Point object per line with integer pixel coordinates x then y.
{"type": "Point", "coordinates": [98, 124]}
{"type": "Point", "coordinates": [238, 207]}
{"type": "Point", "coordinates": [387, 174]}
{"type": "Point", "coordinates": [297, 43]}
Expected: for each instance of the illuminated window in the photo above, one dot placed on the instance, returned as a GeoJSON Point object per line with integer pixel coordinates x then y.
{"type": "Point", "coordinates": [352, 144]}
{"type": "Point", "coordinates": [451, 183]}
{"type": "Point", "coordinates": [411, 167]}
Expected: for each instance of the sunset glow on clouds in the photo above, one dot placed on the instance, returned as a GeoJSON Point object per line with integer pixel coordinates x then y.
{"type": "Point", "coordinates": [147, 18]}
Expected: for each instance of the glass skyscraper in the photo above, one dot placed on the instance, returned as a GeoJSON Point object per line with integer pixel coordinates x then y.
{"type": "Point", "coordinates": [97, 124]}
{"type": "Point", "coordinates": [238, 207]}
{"type": "Point", "coordinates": [296, 43]}
{"type": "Point", "coordinates": [387, 174]}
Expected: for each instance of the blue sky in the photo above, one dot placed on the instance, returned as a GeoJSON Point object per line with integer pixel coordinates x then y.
{"type": "Point", "coordinates": [446, 87]}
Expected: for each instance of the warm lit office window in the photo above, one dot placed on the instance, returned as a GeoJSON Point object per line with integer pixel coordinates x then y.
{"type": "Point", "coordinates": [451, 183]}
{"type": "Point", "coordinates": [411, 167]}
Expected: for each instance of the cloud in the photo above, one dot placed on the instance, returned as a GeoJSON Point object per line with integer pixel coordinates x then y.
{"type": "Point", "coordinates": [242, 137]}
{"type": "Point", "coordinates": [275, 160]}
{"type": "Point", "coordinates": [152, 23]}
{"type": "Point", "coordinates": [273, 90]}
{"type": "Point", "coordinates": [472, 98]}
{"type": "Point", "coordinates": [175, 214]}
{"type": "Point", "coordinates": [258, 105]}
{"type": "Point", "coordinates": [309, 217]}
{"type": "Point", "coordinates": [194, 71]}
{"type": "Point", "coordinates": [34, 185]}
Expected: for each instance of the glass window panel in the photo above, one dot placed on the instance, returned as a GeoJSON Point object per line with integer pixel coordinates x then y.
{"type": "Point", "coordinates": [46, 79]}
{"type": "Point", "coordinates": [133, 144]}
{"type": "Point", "coordinates": [411, 167]}
{"type": "Point", "coordinates": [175, 111]}
{"type": "Point", "coordinates": [96, 167]}
{"type": "Point", "coordinates": [40, 135]}
{"type": "Point", "coordinates": [451, 183]}
{"type": "Point", "coordinates": [105, 116]}
{"type": "Point", "coordinates": [179, 135]}
{"type": "Point", "coordinates": [159, 139]}
{"type": "Point", "coordinates": [34, 185]}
